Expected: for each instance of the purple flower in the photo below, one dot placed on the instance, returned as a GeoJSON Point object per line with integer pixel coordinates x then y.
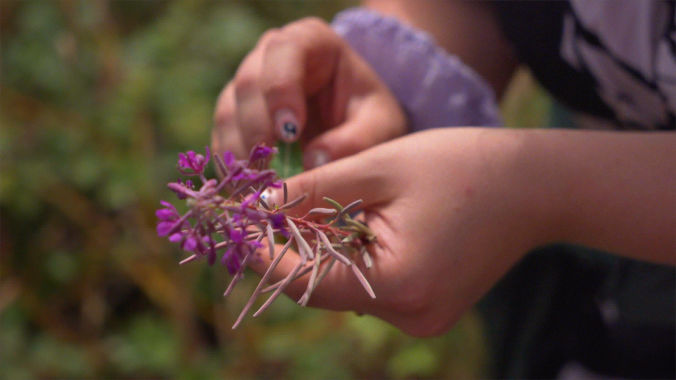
{"type": "Point", "coordinates": [232, 261]}
{"type": "Point", "coordinates": [190, 243]}
{"type": "Point", "coordinates": [226, 255]}
{"type": "Point", "coordinates": [255, 244]}
{"type": "Point", "coordinates": [232, 164]}
{"type": "Point", "coordinates": [176, 237]}
{"type": "Point", "coordinates": [229, 159]}
{"type": "Point", "coordinates": [236, 236]}
{"type": "Point", "coordinates": [191, 163]}
{"type": "Point", "coordinates": [251, 199]}
{"type": "Point", "coordinates": [276, 184]}
{"type": "Point", "coordinates": [163, 228]}
{"type": "Point", "coordinates": [181, 188]}
{"type": "Point", "coordinates": [276, 220]}
{"type": "Point", "coordinates": [168, 216]}
{"type": "Point", "coordinates": [260, 152]}
{"type": "Point", "coordinates": [224, 217]}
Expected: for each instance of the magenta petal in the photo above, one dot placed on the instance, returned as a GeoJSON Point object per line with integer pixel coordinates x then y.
{"type": "Point", "coordinates": [236, 236]}
{"type": "Point", "coordinates": [183, 161]}
{"type": "Point", "coordinates": [277, 220]}
{"type": "Point", "coordinates": [190, 243]}
{"type": "Point", "coordinates": [163, 228]}
{"type": "Point", "coordinates": [228, 158]}
{"type": "Point", "coordinates": [226, 256]}
{"type": "Point", "coordinates": [176, 238]}
{"type": "Point", "coordinates": [232, 261]}
{"type": "Point", "coordinates": [165, 214]}
{"type": "Point", "coordinates": [251, 199]}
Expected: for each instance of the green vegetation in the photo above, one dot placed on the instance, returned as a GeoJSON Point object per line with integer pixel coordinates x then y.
{"type": "Point", "coordinates": [97, 98]}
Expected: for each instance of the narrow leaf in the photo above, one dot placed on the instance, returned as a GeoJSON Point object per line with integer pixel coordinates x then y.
{"type": "Point", "coordinates": [332, 251]}
{"type": "Point", "coordinates": [333, 203]}
{"type": "Point", "coordinates": [263, 280]}
{"type": "Point", "coordinates": [303, 247]}
{"type": "Point", "coordinates": [364, 282]}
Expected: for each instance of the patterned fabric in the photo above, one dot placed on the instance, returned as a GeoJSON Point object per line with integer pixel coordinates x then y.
{"type": "Point", "coordinates": [434, 88]}
{"type": "Point", "coordinates": [613, 59]}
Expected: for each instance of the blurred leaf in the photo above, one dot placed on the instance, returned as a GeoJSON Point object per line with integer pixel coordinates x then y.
{"type": "Point", "coordinates": [147, 344]}
{"type": "Point", "coordinates": [51, 356]}
{"type": "Point", "coordinates": [417, 360]}
{"type": "Point", "coordinates": [289, 161]}
{"type": "Point", "coordinates": [13, 336]}
{"type": "Point", "coordinates": [373, 333]}
{"type": "Point", "coordinates": [61, 266]}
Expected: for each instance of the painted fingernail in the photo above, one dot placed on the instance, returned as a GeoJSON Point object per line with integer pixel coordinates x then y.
{"type": "Point", "coordinates": [272, 197]}
{"type": "Point", "coordinates": [287, 124]}
{"type": "Point", "coordinates": [315, 158]}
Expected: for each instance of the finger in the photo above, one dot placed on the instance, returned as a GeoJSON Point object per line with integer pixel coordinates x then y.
{"type": "Point", "coordinates": [363, 176]}
{"type": "Point", "coordinates": [253, 120]}
{"type": "Point", "coordinates": [225, 136]}
{"type": "Point", "coordinates": [366, 126]}
{"type": "Point", "coordinates": [298, 61]}
{"type": "Point", "coordinates": [338, 290]}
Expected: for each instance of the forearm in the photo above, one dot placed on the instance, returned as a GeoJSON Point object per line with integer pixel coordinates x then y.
{"type": "Point", "coordinates": [614, 191]}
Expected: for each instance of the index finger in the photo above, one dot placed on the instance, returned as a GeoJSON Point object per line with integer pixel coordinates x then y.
{"type": "Point", "coordinates": [299, 60]}
{"type": "Point", "coordinates": [338, 289]}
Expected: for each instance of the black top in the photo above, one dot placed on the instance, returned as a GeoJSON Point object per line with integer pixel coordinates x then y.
{"type": "Point", "coordinates": [611, 59]}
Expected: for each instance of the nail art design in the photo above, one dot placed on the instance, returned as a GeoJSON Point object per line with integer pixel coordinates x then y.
{"type": "Point", "coordinates": [289, 131]}
{"type": "Point", "coordinates": [287, 125]}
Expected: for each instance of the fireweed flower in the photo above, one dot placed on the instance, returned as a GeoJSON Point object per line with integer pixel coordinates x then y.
{"type": "Point", "coordinates": [228, 221]}
{"type": "Point", "coordinates": [191, 163]}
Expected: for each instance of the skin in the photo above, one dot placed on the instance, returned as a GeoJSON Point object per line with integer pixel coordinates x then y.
{"type": "Point", "coordinates": [307, 69]}
{"type": "Point", "coordinates": [453, 208]}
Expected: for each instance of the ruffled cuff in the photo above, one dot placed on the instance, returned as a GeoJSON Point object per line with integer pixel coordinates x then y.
{"type": "Point", "coordinates": [435, 88]}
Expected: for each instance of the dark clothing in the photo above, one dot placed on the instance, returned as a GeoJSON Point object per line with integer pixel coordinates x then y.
{"type": "Point", "coordinates": [612, 59]}
{"type": "Point", "coordinates": [564, 304]}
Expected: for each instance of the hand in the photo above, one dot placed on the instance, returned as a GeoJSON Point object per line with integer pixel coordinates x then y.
{"type": "Point", "coordinates": [448, 221]}
{"type": "Point", "coordinates": [303, 81]}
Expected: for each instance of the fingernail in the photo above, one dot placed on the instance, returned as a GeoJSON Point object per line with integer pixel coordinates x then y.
{"type": "Point", "coordinates": [315, 158]}
{"type": "Point", "coordinates": [287, 125]}
{"type": "Point", "coordinates": [272, 197]}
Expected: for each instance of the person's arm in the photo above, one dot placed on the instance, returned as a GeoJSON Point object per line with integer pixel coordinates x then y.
{"type": "Point", "coordinates": [454, 208]}
{"type": "Point", "coordinates": [614, 191]}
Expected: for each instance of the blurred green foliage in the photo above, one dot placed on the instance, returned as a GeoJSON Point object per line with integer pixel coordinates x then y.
{"type": "Point", "coordinates": [97, 98]}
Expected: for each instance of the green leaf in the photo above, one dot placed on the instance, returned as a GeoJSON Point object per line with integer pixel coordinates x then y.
{"type": "Point", "coordinates": [414, 361]}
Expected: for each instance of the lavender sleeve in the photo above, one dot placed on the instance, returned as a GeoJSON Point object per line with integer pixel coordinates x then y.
{"type": "Point", "coordinates": [435, 88]}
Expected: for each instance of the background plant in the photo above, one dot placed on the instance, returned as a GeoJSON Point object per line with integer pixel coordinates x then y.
{"type": "Point", "coordinates": [96, 98]}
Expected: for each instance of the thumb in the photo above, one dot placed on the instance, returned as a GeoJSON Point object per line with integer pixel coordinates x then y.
{"type": "Point", "coordinates": [362, 176]}
{"type": "Point", "coordinates": [371, 120]}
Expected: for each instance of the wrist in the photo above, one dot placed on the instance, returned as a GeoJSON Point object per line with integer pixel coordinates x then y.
{"type": "Point", "coordinates": [531, 183]}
